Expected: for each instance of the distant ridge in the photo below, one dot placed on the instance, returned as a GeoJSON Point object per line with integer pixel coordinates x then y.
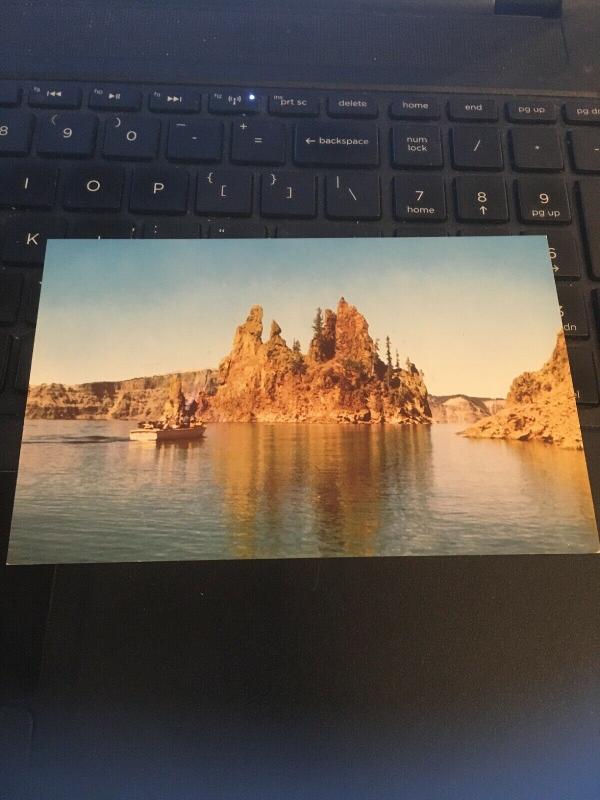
{"type": "Point", "coordinates": [135, 398]}
{"type": "Point", "coordinates": [462, 408]}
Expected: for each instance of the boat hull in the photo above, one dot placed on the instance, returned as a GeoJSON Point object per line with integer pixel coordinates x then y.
{"type": "Point", "coordinates": [166, 435]}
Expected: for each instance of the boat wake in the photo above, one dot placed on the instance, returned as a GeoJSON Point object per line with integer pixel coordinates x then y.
{"type": "Point", "coordinates": [62, 439]}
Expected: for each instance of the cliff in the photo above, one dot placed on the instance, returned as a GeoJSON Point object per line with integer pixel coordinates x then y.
{"type": "Point", "coordinates": [340, 379]}
{"type": "Point", "coordinates": [137, 398]}
{"type": "Point", "coordinates": [460, 408]}
{"type": "Point", "coordinates": [540, 406]}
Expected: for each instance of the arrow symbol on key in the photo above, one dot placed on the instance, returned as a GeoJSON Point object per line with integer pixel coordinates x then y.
{"type": "Point", "coordinates": [310, 141]}
{"type": "Point", "coordinates": [483, 210]}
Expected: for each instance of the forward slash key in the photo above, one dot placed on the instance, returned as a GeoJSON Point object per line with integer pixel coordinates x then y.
{"type": "Point", "coordinates": [336, 144]}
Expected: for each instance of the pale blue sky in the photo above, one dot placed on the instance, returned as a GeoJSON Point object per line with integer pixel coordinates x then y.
{"type": "Point", "coordinates": [472, 313]}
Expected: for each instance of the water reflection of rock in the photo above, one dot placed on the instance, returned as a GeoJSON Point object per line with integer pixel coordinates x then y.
{"type": "Point", "coordinates": [287, 486]}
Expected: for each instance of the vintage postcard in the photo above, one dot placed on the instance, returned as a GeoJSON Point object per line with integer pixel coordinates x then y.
{"type": "Point", "coordinates": [299, 398]}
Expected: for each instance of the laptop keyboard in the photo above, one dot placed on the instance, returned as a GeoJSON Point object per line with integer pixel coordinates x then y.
{"type": "Point", "coordinates": [88, 161]}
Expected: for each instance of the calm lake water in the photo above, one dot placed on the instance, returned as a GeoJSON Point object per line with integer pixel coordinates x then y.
{"type": "Point", "coordinates": [86, 493]}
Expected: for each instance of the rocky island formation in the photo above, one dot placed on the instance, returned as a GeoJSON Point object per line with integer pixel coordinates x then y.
{"type": "Point", "coordinates": [540, 406]}
{"type": "Point", "coordinates": [340, 378]}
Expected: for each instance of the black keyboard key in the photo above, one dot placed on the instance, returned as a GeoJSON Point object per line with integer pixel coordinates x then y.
{"type": "Point", "coordinates": [293, 104]}
{"type": "Point", "coordinates": [55, 96]}
{"type": "Point", "coordinates": [10, 95]}
{"type": "Point", "coordinates": [16, 129]}
{"type": "Point", "coordinates": [415, 107]}
{"type": "Point", "coordinates": [124, 99]}
{"type": "Point", "coordinates": [94, 188]}
{"type": "Point", "coordinates": [586, 112]}
{"type": "Point", "coordinates": [572, 310]}
{"type": "Point", "coordinates": [466, 109]}
{"type": "Point", "coordinates": [416, 146]}
{"type": "Point", "coordinates": [131, 138]}
{"type": "Point", "coordinates": [27, 185]}
{"type": "Point", "coordinates": [536, 149]}
{"type": "Point", "coordinates": [336, 143]}
{"type": "Point", "coordinates": [585, 150]}
{"type": "Point", "coordinates": [335, 230]}
{"type": "Point", "coordinates": [31, 301]}
{"type": "Point", "coordinates": [543, 200]}
{"type": "Point", "coordinates": [476, 148]}
{"type": "Point", "coordinates": [353, 195]}
{"type": "Point", "coordinates": [24, 238]}
{"type": "Point", "coordinates": [233, 102]}
{"type": "Point", "coordinates": [596, 303]}
{"type": "Point", "coordinates": [419, 197]}
{"type": "Point", "coordinates": [411, 230]}
{"type": "Point", "coordinates": [11, 286]}
{"type": "Point", "coordinates": [483, 230]}
{"type": "Point", "coordinates": [5, 346]}
{"type": "Point", "coordinates": [288, 194]}
{"type": "Point", "coordinates": [236, 230]}
{"type": "Point", "coordinates": [583, 373]}
{"type": "Point", "coordinates": [258, 142]}
{"type": "Point", "coordinates": [589, 196]}
{"type": "Point", "coordinates": [171, 229]}
{"type": "Point", "coordinates": [531, 111]}
{"type": "Point", "coordinates": [174, 101]}
{"type": "Point", "coordinates": [100, 228]}
{"type": "Point", "coordinates": [67, 135]}
{"type": "Point", "coordinates": [195, 140]}
{"type": "Point", "coordinates": [481, 199]}
{"type": "Point", "coordinates": [564, 253]}
{"type": "Point", "coordinates": [159, 190]}
{"type": "Point", "coordinates": [227, 192]}
{"type": "Point", "coordinates": [352, 105]}
{"type": "Point", "coordinates": [24, 345]}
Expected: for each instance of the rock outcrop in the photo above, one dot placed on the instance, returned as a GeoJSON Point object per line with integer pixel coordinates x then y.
{"type": "Point", "coordinates": [463, 409]}
{"type": "Point", "coordinates": [340, 379]}
{"type": "Point", "coordinates": [540, 406]}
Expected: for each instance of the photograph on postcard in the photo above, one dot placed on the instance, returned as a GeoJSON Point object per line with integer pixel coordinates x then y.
{"type": "Point", "coordinates": [242, 399]}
